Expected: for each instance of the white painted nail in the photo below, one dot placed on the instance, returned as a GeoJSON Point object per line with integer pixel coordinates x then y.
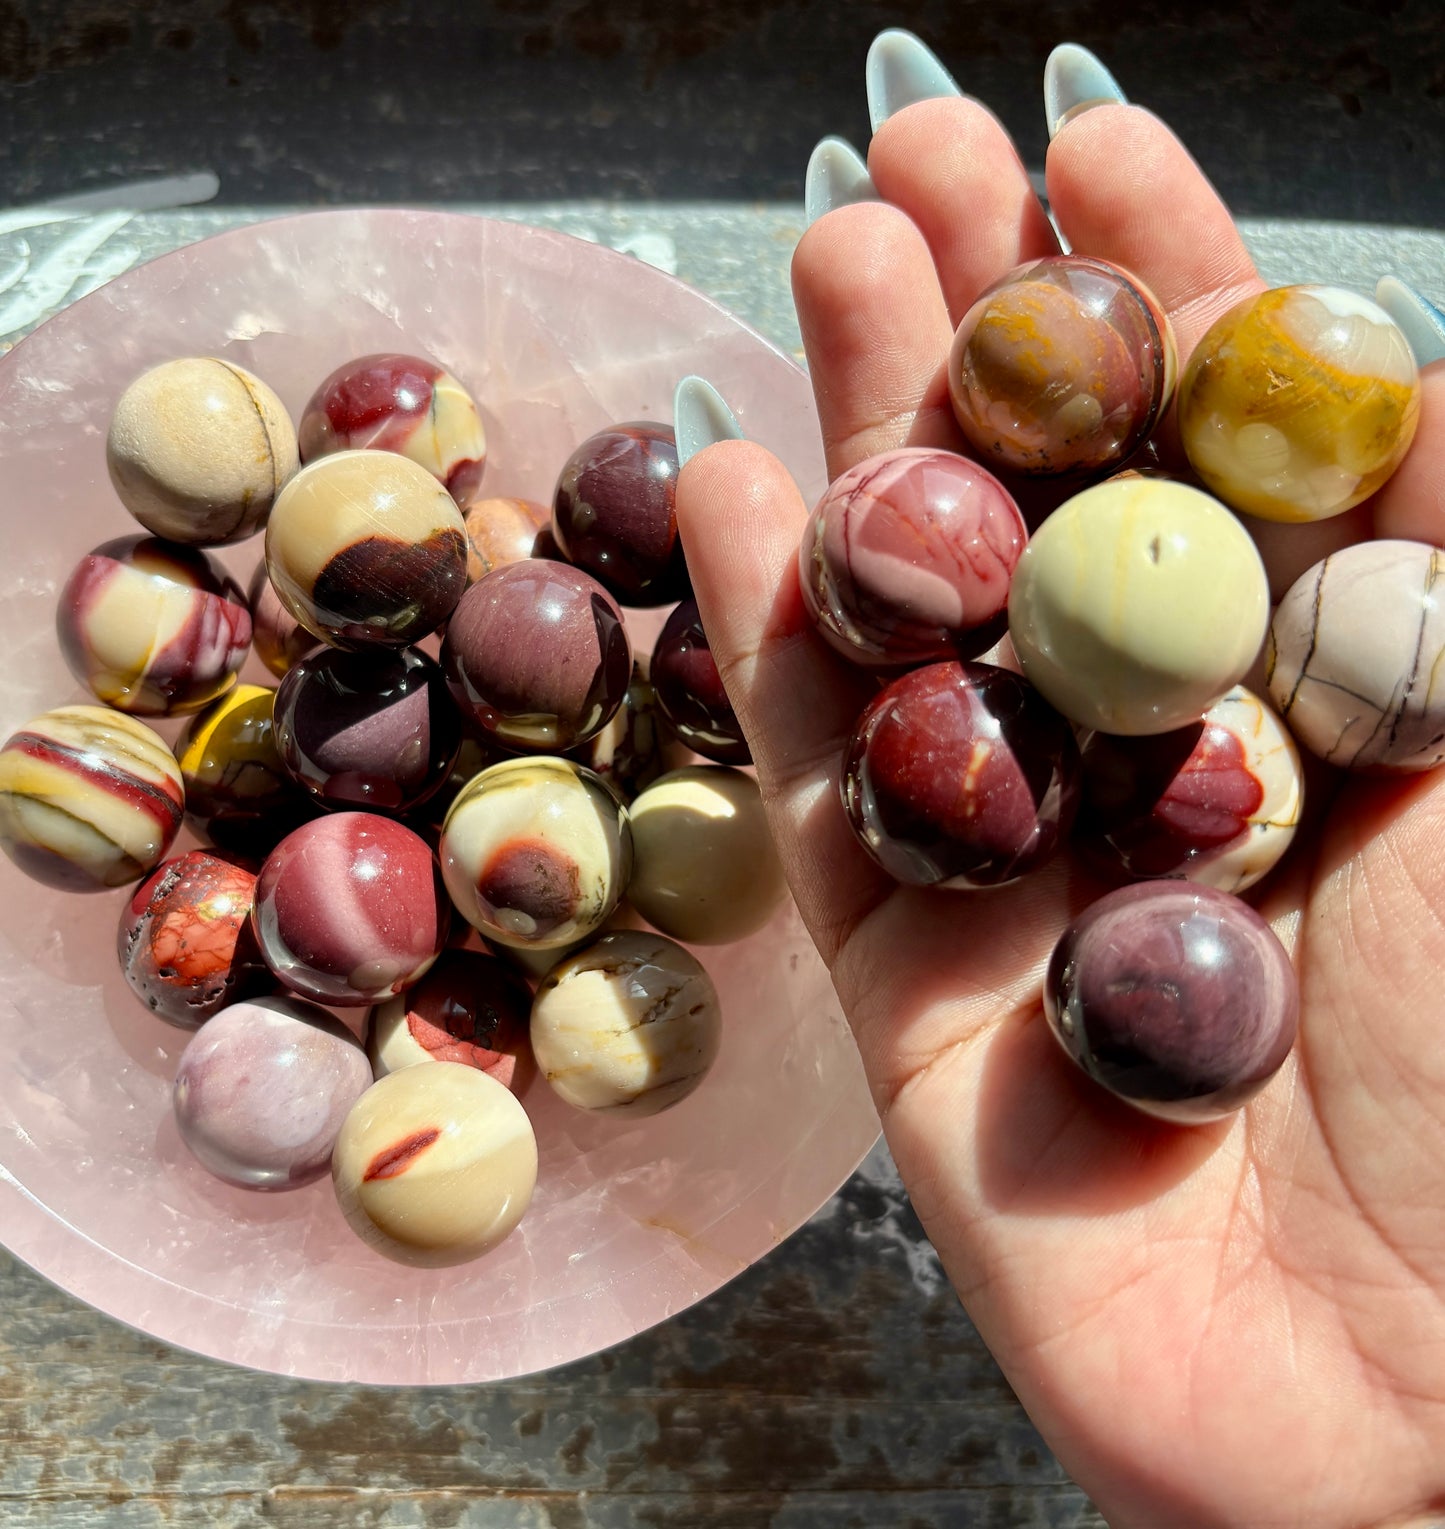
{"type": "Point", "coordinates": [836, 176]}
{"type": "Point", "coordinates": [700, 418]}
{"type": "Point", "coordinates": [1074, 80]}
{"type": "Point", "coordinates": [901, 70]}
{"type": "Point", "coordinates": [1422, 321]}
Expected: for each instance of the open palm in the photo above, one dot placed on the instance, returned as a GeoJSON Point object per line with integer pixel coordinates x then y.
{"type": "Point", "coordinates": [1236, 1324]}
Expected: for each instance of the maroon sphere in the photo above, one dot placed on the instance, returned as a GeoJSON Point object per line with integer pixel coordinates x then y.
{"type": "Point", "coordinates": [350, 909]}
{"type": "Point", "coordinates": [375, 729]}
{"type": "Point", "coordinates": [1178, 998]}
{"type": "Point", "coordinates": [613, 513]}
{"type": "Point", "coordinates": [908, 557]}
{"type": "Point", "coordinates": [960, 775]}
{"type": "Point", "coordinates": [690, 693]}
{"type": "Point", "coordinates": [277, 636]}
{"type": "Point", "coordinates": [537, 654]}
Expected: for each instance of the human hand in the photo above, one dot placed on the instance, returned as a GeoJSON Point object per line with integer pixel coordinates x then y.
{"type": "Point", "coordinates": [1241, 1323]}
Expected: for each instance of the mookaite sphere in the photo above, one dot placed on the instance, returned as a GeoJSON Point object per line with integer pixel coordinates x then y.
{"type": "Point", "coordinates": [960, 775]}
{"type": "Point", "coordinates": [150, 628]}
{"type": "Point", "coordinates": [538, 655]}
{"type": "Point", "coordinates": [704, 868]}
{"type": "Point", "coordinates": [262, 1091]}
{"type": "Point", "coordinates": [435, 1165]}
{"type": "Point", "coordinates": [536, 852]}
{"type": "Point", "coordinates": [1064, 366]}
{"type": "Point", "coordinates": [1137, 604]}
{"type": "Point", "coordinates": [1216, 802]}
{"type": "Point", "coordinates": [470, 1008]}
{"type": "Point", "coordinates": [613, 513]}
{"type": "Point", "coordinates": [376, 730]}
{"type": "Point", "coordinates": [629, 1026]}
{"type": "Point", "coordinates": [349, 909]}
{"type": "Point", "coordinates": [403, 404]}
{"type": "Point", "coordinates": [1354, 662]}
{"type": "Point", "coordinates": [89, 798]}
{"type": "Point", "coordinates": [198, 449]}
{"type": "Point", "coordinates": [184, 938]}
{"type": "Point", "coordinates": [366, 547]}
{"type": "Point", "coordinates": [690, 692]}
{"type": "Point", "coordinates": [1179, 999]}
{"type": "Point", "coordinates": [277, 636]}
{"type": "Point", "coordinates": [629, 751]}
{"type": "Point", "coordinates": [1299, 403]}
{"type": "Point", "coordinates": [907, 558]}
{"type": "Point", "coordinates": [501, 531]}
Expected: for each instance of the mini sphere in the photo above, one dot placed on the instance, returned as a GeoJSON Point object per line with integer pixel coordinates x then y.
{"type": "Point", "coordinates": [435, 1165]}
{"type": "Point", "coordinates": [1137, 604]}
{"type": "Point", "coordinates": [402, 404]}
{"type": "Point", "coordinates": [470, 1008]}
{"type": "Point", "coordinates": [613, 513]}
{"type": "Point", "coordinates": [184, 939]}
{"type": "Point", "coordinates": [704, 868]}
{"type": "Point", "coordinates": [501, 531]}
{"type": "Point", "coordinates": [152, 629]}
{"type": "Point", "coordinates": [1299, 403]}
{"type": "Point", "coordinates": [263, 1089]}
{"type": "Point", "coordinates": [536, 852]}
{"type": "Point", "coordinates": [1354, 657]}
{"type": "Point", "coordinates": [1216, 802]}
{"type": "Point", "coordinates": [960, 776]}
{"type": "Point", "coordinates": [237, 789]}
{"type": "Point", "coordinates": [349, 909]}
{"type": "Point", "coordinates": [277, 636]}
{"type": "Point", "coordinates": [366, 547]}
{"type": "Point", "coordinates": [537, 655]}
{"type": "Point", "coordinates": [1179, 999]}
{"type": "Point", "coordinates": [907, 559]}
{"type": "Point", "coordinates": [198, 450]}
{"type": "Point", "coordinates": [629, 752]}
{"type": "Point", "coordinates": [89, 798]}
{"type": "Point", "coordinates": [690, 692]}
{"type": "Point", "coordinates": [376, 730]}
{"type": "Point", "coordinates": [1064, 366]}
{"type": "Point", "coordinates": [628, 1026]}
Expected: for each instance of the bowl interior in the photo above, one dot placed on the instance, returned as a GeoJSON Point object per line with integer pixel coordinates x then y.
{"type": "Point", "coordinates": [632, 1220]}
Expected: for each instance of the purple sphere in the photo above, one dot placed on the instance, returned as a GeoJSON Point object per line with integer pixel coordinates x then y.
{"type": "Point", "coordinates": [690, 693]}
{"type": "Point", "coordinates": [1179, 999]}
{"type": "Point", "coordinates": [960, 775]}
{"type": "Point", "coordinates": [350, 909]}
{"type": "Point", "coordinates": [375, 729]}
{"type": "Point", "coordinates": [537, 654]}
{"type": "Point", "coordinates": [263, 1089]}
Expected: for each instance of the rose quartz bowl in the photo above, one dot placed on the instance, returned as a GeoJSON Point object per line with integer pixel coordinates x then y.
{"type": "Point", "coordinates": [631, 1221]}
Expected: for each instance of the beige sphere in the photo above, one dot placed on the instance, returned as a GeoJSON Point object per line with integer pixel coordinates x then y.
{"type": "Point", "coordinates": [704, 868]}
{"type": "Point", "coordinates": [198, 449]}
{"type": "Point", "coordinates": [435, 1165]}
{"type": "Point", "coordinates": [628, 1026]}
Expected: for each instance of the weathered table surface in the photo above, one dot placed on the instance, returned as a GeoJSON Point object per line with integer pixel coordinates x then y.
{"type": "Point", "coordinates": [836, 1383]}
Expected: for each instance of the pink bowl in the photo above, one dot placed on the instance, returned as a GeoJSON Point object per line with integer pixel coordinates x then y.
{"type": "Point", "coordinates": [631, 1222]}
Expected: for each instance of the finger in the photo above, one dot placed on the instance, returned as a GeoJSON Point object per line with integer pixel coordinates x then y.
{"type": "Point", "coordinates": [876, 331]}
{"type": "Point", "coordinates": [953, 169]}
{"type": "Point", "coordinates": [741, 519]}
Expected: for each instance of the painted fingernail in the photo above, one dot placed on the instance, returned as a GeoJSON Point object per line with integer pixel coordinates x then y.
{"type": "Point", "coordinates": [700, 418]}
{"type": "Point", "coordinates": [836, 176]}
{"type": "Point", "coordinates": [901, 70]}
{"type": "Point", "coordinates": [1422, 321]}
{"type": "Point", "coordinates": [1074, 80]}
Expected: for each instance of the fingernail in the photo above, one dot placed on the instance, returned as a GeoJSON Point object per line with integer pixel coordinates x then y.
{"type": "Point", "coordinates": [1074, 80]}
{"type": "Point", "coordinates": [901, 70]}
{"type": "Point", "coordinates": [836, 176]}
{"type": "Point", "coordinates": [700, 418]}
{"type": "Point", "coordinates": [1422, 321]}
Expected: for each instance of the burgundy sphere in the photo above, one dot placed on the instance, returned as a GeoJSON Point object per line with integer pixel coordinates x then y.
{"type": "Point", "coordinates": [613, 513]}
{"type": "Point", "coordinates": [960, 775]}
{"type": "Point", "coordinates": [537, 654]}
{"type": "Point", "coordinates": [1179, 999]}
{"type": "Point", "coordinates": [690, 693]}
